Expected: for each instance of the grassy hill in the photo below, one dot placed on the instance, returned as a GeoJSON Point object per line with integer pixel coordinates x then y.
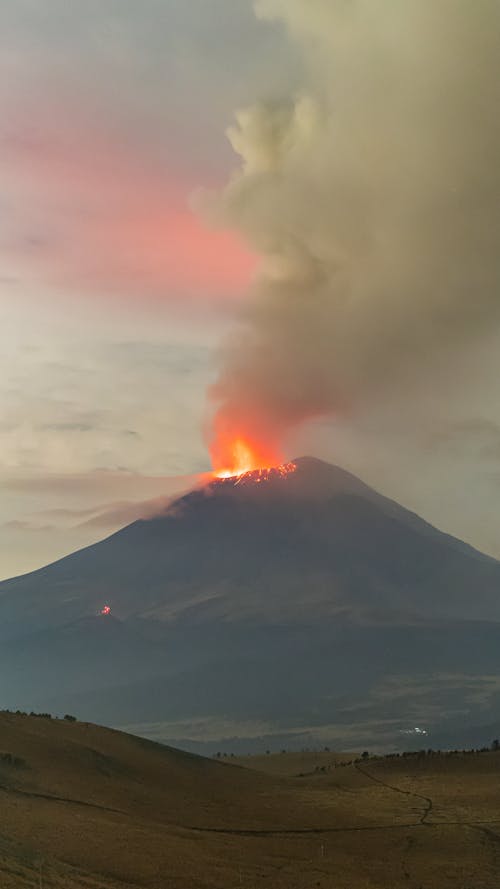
{"type": "Point", "coordinates": [84, 807]}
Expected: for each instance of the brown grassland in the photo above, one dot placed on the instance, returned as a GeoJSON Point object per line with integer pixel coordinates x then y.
{"type": "Point", "coordinates": [84, 807]}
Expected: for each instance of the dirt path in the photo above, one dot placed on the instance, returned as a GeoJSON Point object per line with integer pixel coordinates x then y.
{"type": "Point", "coordinates": [428, 802]}
{"type": "Point", "coordinates": [290, 831]}
{"type": "Point", "coordinates": [57, 799]}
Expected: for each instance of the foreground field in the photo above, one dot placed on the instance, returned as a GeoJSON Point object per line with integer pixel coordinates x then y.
{"type": "Point", "coordinates": [83, 807]}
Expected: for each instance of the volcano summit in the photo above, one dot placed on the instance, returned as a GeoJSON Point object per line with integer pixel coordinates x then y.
{"type": "Point", "coordinates": [295, 600]}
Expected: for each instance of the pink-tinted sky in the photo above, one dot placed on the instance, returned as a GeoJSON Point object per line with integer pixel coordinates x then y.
{"type": "Point", "coordinates": [93, 210]}
{"type": "Point", "coordinates": [114, 294]}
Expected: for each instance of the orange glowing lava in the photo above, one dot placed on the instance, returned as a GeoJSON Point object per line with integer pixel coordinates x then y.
{"type": "Point", "coordinates": [239, 456]}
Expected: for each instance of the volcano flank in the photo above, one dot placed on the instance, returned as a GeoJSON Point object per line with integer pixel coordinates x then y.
{"type": "Point", "coordinates": [294, 603]}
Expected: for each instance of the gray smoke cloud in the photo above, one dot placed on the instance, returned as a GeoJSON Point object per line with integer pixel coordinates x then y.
{"type": "Point", "coordinates": [373, 199]}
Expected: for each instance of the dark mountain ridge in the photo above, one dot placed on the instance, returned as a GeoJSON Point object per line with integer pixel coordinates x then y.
{"type": "Point", "coordinates": [274, 596]}
{"type": "Point", "coordinates": [239, 550]}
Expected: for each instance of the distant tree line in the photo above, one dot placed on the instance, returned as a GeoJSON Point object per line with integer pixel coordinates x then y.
{"type": "Point", "coordinates": [405, 754]}
{"type": "Point", "coordinates": [67, 716]}
{"type": "Point", "coordinates": [409, 754]}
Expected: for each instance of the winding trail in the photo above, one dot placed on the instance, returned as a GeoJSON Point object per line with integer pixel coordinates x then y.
{"type": "Point", "coordinates": [304, 831]}
{"type": "Point", "coordinates": [427, 800]}
{"type": "Point", "coordinates": [482, 826]}
{"type": "Point", "coordinates": [4, 788]}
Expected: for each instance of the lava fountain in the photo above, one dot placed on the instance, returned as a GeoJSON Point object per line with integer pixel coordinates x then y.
{"type": "Point", "coordinates": [240, 457]}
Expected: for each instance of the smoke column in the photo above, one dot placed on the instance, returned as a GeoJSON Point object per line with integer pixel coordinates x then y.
{"type": "Point", "coordinates": [373, 200]}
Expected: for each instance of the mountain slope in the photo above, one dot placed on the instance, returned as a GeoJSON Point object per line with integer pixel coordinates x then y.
{"type": "Point", "coordinates": [316, 542]}
{"type": "Point", "coordinates": [290, 600]}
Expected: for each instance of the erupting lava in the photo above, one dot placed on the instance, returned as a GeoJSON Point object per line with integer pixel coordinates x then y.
{"type": "Point", "coordinates": [241, 458]}
{"type": "Point", "coordinates": [256, 476]}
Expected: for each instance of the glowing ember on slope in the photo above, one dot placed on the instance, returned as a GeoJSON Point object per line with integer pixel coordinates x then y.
{"type": "Point", "coordinates": [256, 476]}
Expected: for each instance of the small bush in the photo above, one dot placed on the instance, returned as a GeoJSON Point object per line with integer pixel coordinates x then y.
{"type": "Point", "coordinates": [10, 760]}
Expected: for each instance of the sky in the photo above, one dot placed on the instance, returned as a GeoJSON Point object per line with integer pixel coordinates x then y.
{"type": "Point", "coordinates": [120, 283]}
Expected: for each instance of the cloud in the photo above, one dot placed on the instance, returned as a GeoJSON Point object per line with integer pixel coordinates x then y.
{"type": "Point", "coordinates": [116, 515]}
{"type": "Point", "coordinates": [79, 405]}
{"type": "Point", "coordinates": [479, 436]}
{"type": "Point", "coordinates": [92, 483]}
{"type": "Point", "coordinates": [86, 212]}
{"type": "Point", "coordinates": [372, 196]}
{"type": "Point", "coordinates": [109, 516]}
{"type": "Point", "coordinates": [25, 525]}
{"type": "Point", "coordinates": [32, 536]}
{"type": "Point", "coordinates": [110, 117]}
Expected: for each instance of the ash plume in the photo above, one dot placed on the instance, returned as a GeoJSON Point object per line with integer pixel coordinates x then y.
{"type": "Point", "coordinates": [373, 200]}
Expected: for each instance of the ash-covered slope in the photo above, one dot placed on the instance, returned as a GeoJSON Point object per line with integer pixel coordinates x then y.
{"type": "Point", "coordinates": [312, 543]}
{"type": "Point", "coordinates": [262, 598]}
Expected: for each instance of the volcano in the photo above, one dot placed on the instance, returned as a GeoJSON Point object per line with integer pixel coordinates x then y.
{"type": "Point", "coordinates": [295, 603]}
